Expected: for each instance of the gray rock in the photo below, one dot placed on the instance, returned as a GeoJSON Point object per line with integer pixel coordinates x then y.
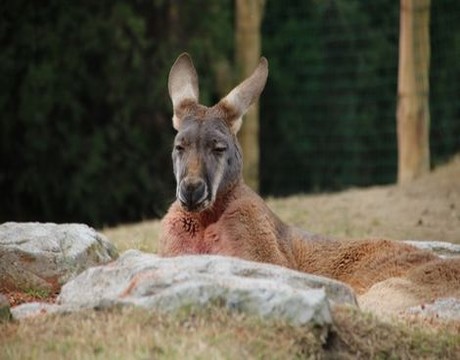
{"type": "Point", "coordinates": [445, 308]}
{"type": "Point", "coordinates": [440, 248]}
{"type": "Point", "coordinates": [42, 257]}
{"type": "Point", "coordinates": [32, 309]}
{"type": "Point", "coordinates": [191, 282]}
{"type": "Point", "coordinates": [157, 271]}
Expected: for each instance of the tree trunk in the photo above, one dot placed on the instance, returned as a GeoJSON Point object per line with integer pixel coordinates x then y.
{"type": "Point", "coordinates": [248, 46]}
{"type": "Point", "coordinates": [413, 116]}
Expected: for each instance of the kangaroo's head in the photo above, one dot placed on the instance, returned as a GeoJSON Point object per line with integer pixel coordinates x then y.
{"type": "Point", "coordinates": [207, 158]}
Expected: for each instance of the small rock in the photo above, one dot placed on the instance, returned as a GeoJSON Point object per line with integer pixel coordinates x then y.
{"type": "Point", "coordinates": [445, 308]}
{"type": "Point", "coordinates": [440, 248]}
{"type": "Point", "coordinates": [32, 309]}
{"type": "Point", "coordinates": [42, 257]}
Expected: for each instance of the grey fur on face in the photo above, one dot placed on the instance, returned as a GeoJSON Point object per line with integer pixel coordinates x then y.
{"type": "Point", "coordinates": [206, 159]}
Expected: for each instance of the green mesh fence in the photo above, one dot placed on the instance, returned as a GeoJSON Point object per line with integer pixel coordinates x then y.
{"type": "Point", "coordinates": [85, 131]}
{"type": "Point", "coordinates": [328, 115]}
{"type": "Point", "coordinates": [445, 80]}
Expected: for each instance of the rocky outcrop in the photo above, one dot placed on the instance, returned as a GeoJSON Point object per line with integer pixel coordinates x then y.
{"type": "Point", "coordinates": [170, 284]}
{"type": "Point", "coordinates": [37, 257]}
{"type": "Point", "coordinates": [45, 256]}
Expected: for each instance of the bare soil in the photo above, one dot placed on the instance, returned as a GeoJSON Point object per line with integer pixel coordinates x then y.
{"type": "Point", "coordinates": [20, 297]}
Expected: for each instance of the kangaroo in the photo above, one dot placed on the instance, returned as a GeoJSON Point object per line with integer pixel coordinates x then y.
{"type": "Point", "coordinates": [215, 212]}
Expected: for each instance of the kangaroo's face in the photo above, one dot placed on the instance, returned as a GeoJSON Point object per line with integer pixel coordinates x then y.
{"type": "Point", "coordinates": [207, 158]}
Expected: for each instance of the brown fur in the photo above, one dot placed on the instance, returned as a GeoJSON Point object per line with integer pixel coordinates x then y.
{"type": "Point", "coordinates": [422, 284]}
{"type": "Point", "coordinates": [239, 223]}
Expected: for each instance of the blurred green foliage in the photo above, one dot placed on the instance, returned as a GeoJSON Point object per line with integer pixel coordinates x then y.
{"type": "Point", "coordinates": [329, 111]}
{"type": "Point", "coordinates": [445, 79]}
{"type": "Point", "coordinates": [85, 129]}
{"type": "Point", "coordinates": [85, 125]}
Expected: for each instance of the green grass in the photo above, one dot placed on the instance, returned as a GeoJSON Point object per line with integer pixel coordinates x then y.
{"type": "Point", "coordinates": [37, 293]}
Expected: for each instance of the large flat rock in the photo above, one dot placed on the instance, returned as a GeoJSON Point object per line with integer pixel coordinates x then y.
{"type": "Point", "coordinates": [170, 284]}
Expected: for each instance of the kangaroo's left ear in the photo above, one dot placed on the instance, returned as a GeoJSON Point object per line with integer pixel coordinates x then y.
{"type": "Point", "coordinates": [245, 94]}
{"type": "Point", "coordinates": [182, 86]}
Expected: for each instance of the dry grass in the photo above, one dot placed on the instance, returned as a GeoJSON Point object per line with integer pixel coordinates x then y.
{"type": "Point", "coordinates": [429, 209]}
{"type": "Point", "coordinates": [214, 333]}
{"type": "Point", "coordinates": [143, 236]}
{"type": "Point", "coordinates": [136, 334]}
{"type": "Point", "coordinates": [361, 335]}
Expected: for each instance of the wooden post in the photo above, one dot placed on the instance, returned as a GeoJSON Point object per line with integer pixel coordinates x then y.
{"type": "Point", "coordinates": [248, 47]}
{"type": "Point", "coordinates": [413, 115]}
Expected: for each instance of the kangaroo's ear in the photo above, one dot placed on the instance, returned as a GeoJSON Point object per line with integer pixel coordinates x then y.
{"type": "Point", "coordinates": [244, 95]}
{"type": "Point", "coordinates": [182, 86]}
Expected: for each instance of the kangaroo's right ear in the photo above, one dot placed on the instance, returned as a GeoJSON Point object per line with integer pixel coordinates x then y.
{"type": "Point", "coordinates": [182, 86]}
{"type": "Point", "coordinates": [245, 94]}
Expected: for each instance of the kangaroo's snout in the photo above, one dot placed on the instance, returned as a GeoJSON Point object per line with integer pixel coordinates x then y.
{"type": "Point", "coordinates": [193, 194]}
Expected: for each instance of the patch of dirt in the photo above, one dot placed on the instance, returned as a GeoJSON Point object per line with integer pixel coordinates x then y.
{"type": "Point", "coordinates": [16, 297]}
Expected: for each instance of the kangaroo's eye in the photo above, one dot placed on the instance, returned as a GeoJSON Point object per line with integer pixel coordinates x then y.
{"type": "Point", "coordinates": [179, 148]}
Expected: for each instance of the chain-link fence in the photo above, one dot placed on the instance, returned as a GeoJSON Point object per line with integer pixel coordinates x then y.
{"type": "Point", "coordinates": [329, 111]}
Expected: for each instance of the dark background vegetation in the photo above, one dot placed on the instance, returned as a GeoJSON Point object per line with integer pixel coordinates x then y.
{"type": "Point", "coordinates": [85, 125]}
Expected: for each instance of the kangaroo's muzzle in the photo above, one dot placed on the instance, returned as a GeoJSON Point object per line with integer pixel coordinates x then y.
{"type": "Point", "coordinates": [193, 194]}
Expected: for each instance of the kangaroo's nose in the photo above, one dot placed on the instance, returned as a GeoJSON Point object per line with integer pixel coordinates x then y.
{"type": "Point", "coordinates": [192, 193]}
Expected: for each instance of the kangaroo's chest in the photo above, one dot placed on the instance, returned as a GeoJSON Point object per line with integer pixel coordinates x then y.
{"type": "Point", "coordinates": [188, 235]}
